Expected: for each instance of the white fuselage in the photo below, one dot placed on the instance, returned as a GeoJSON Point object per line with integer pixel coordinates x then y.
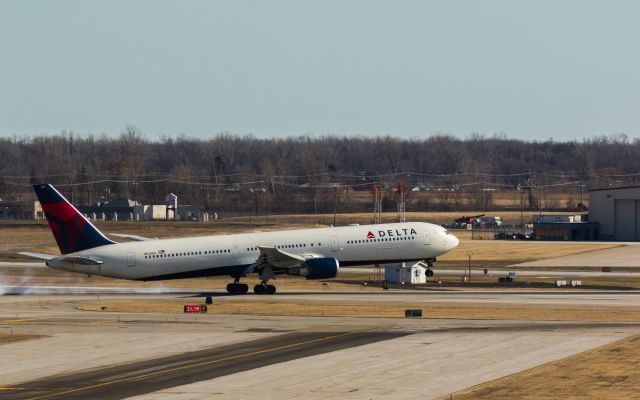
{"type": "Point", "coordinates": [235, 254]}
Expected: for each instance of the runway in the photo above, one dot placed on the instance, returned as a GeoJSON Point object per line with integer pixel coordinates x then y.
{"type": "Point", "coordinates": [563, 296]}
{"type": "Point", "coordinates": [47, 290]}
{"type": "Point", "coordinates": [147, 355]}
{"type": "Point", "coordinates": [156, 374]}
{"type": "Point", "coordinates": [539, 273]}
{"type": "Point", "coordinates": [107, 355]}
{"type": "Point", "coordinates": [136, 354]}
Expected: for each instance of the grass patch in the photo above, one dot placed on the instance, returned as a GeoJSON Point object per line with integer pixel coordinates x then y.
{"type": "Point", "coordinates": [266, 306]}
{"type": "Point", "coordinates": [607, 372]}
{"type": "Point", "coordinates": [16, 337]}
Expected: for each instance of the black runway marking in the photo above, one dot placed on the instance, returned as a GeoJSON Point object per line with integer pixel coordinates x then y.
{"type": "Point", "coordinates": [142, 377]}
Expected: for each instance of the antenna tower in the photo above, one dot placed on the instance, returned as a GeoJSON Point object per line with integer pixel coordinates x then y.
{"type": "Point", "coordinates": [400, 199]}
{"type": "Point", "coordinates": [376, 192]}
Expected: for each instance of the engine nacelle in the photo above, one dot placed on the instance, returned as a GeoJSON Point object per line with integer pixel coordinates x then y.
{"type": "Point", "coordinates": [317, 268]}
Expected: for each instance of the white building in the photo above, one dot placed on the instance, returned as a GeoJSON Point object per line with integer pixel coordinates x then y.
{"type": "Point", "coordinates": [406, 274]}
{"type": "Point", "coordinates": [617, 211]}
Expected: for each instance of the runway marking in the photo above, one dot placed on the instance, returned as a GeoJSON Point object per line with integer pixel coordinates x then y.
{"type": "Point", "coordinates": [110, 321]}
{"type": "Point", "coordinates": [132, 373]}
{"type": "Point", "coordinates": [17, 321]}
{"type": "Point", "coordinates": [37, 321]}
{"type": "Point", "coordinates": [198, 364]}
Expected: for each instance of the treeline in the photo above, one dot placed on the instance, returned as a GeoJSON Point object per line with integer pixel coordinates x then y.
{"type": "Point", "coordinates": [306, 173]}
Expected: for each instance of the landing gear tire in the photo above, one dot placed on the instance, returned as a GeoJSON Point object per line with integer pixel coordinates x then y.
{"type": "Point", "coordinates": [429, 272]}
{"type": "Point", "coordinates": [237, 288]}
{"type": "Point", "coordinates": [264, 289]}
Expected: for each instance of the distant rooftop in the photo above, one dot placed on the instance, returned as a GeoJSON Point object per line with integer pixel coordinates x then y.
{"type": "Point", "coordinates": [614, 188]}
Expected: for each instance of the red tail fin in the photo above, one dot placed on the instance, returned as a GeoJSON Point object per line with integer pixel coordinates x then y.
{"type": "Point", "coordinates": [73, 232]}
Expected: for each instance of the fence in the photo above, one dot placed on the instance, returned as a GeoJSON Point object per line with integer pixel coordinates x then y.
{"type": "Point", "coordinates": [502, 232]}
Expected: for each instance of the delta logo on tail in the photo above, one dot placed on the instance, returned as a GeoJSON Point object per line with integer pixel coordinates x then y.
{"type": "Point", "coordinates": [72, 231]}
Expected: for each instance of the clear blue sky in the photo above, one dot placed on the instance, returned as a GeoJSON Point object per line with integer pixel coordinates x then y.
{"type": "Point", "coordinates": [536, 69]}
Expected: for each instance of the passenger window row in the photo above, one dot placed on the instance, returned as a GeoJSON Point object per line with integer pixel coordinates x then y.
{"type": "Point", "coordinates": [392, 239]}
{"type": "Point", "coordinates": [185, 254]}
{"type": "Point", "coordinates": [206, 252]}
{"type": "Point", "coordinates": [285, 246]}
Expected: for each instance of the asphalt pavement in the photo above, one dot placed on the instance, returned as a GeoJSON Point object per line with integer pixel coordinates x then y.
{"type": "Point", "coordinates": [118, 382]}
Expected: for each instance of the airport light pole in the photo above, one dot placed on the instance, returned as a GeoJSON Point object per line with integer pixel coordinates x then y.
{"type": "Point", "coordinates": [540, 202]}
{"type": "Point", "coordinates": [135, 206]}
{"type": "Point", "coordinates": [521, 210]}
{"type": "Point", "coordinates": [335, 203]}
{"type": "Point", "coordinates": [135, 184]}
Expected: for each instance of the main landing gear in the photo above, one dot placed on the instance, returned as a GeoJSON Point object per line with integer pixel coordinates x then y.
{"type": "Point", "coordinates": [237, 288]}
{"type": "Point", "coordinates": [263, 288]}
{"type": "Point", "coordinates": [242, 288]}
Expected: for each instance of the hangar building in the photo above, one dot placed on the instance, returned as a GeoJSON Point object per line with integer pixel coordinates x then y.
{"type": "Point", "coordinates": [617, 211]}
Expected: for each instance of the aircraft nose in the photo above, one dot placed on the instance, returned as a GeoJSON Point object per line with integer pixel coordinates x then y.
{"type": "Point", "coordinates": [452, 242]}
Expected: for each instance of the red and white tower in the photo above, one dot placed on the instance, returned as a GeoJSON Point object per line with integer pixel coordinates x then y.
{"type": "Point", "coordinates": [400, 199]}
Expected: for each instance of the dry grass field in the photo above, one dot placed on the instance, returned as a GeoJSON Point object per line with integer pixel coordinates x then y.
{"type": "Point", "coordinates": [436, 217]}
{"type": "Point", "coordinates": [568, 198]}
{"type": "Point", "coordinates": [510, 250]}
{"type": "Point", "coordinates": [608, 372]}
{"type": "Point", "coordinates": [378, 310]}
{"type": "Point", "coordinates": [16, 337]}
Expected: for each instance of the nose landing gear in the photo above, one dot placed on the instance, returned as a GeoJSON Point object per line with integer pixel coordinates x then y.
{"type": "Point", "coordinates": [429, 271]}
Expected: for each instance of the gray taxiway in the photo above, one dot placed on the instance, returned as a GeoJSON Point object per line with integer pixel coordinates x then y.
{"type": "Point", "coordinates": [148, 356]}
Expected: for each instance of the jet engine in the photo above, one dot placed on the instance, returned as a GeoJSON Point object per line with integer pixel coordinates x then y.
{"type": "Point", "coordinates": [317, 268]}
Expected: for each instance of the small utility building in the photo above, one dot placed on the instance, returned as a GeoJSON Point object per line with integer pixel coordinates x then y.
{"type": "Point", "coordinates": [406, 274]}
{"type": "Point", "coordinates": [617, 210]}
{"type": "Point", "coordinates": [564, 227]}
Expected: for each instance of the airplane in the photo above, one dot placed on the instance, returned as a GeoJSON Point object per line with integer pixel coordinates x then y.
{"type": "Point", "coordinates": [316, 253]}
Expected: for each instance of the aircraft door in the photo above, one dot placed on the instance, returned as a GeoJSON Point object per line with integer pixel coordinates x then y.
{"type": "Point", "coordinates": [131, 260]}
{"type": "Point", "coordinates": [236, 250]}
{"type": "Point", "coordinates": [427, 237]}
{"type": "Point", "coordinates": [335, 244]}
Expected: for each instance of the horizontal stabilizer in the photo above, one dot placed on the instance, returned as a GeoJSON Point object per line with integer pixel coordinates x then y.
{"type": "Point", "coordinates": [80, 260]}
{"type": "Point", "coordinates": [135, 238]}
{"type": "Point", "coordinates": [40, 256]}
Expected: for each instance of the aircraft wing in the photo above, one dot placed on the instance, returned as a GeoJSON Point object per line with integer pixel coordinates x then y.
{"type": "Point", "coordinates": [270, 256]}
